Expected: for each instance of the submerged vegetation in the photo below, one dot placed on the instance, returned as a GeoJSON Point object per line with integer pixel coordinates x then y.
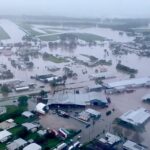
{"type": "Point", "coordinates": [55, 59]}
{"type": "Point", "coordinates": [126, 69]}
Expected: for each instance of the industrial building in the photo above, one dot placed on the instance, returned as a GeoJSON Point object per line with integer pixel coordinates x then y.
{"type": "Point", "coordinates": [33, 146]}
{"type": "Point", "coordinates": [136, 117]}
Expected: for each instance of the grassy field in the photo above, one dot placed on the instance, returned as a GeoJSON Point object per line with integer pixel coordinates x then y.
{"type": "Point", "coordinates": [3, 34]}
{"type": "Point", "coordinates": [28, 29]}
{"type": "Point", "coordinates": [55, 59]}
{"type": "Point", "coordinates": [50, 37]}
{"type": "Point", "coordinates": [82, 36]}
{"type": "Point", "coordinates": [88, 37]}
{"type": "Point", "coordinates": [48, 31]}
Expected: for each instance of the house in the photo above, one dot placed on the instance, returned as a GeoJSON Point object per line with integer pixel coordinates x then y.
{"type": "Point", "coordinates": [8, 124]}
{"type": "Point", "coordinates": [110, 139]}
{"type": "Point", "coordinates": [129, 145]}
{"type": "Point", "coordinates": [33, 146]}
{"type": "Point", "coordinates": [4, 135]}
{"type": "Point", "coordinates": [42, 132]}
{"type": "Point", "coordinates": [84, 116]}
{"type": "Point", "coordinates": [27, 114]}
{"type": "Point", "coordinates": [136, 117]}
{"type": "Point", "coordinates": [41, 108]}
{"type": "Point", "coordinates": [30, 126]}
{"type": "Point", "coordinates": [93, 113]}
{"type": "Point", "coordinates": [17, 144]}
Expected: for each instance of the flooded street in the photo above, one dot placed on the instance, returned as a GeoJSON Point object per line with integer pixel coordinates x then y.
{"type": "Point", "coordinates": [121, 102]}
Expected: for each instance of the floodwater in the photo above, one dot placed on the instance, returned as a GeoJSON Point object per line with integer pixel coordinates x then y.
{"type": "Point", "coordinates": [122, 102]}
{"type": "Point", "coordinates": [12, 30]}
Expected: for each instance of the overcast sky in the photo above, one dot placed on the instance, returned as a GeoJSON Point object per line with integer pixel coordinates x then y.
{"type": "Point", "coordinates": [77, 8]}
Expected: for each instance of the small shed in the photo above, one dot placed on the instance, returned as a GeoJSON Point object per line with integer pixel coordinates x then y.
{"type": "Point", "coordinates": [27, 114]}
{"type": "Point", "coordinates": [93, 113]}
{"type": "Point", "coordinates": [30, 126]}
{"type": "Point", "coordinates": [41, 108]}
{"type": "Point", "coordinates": [110, 139]}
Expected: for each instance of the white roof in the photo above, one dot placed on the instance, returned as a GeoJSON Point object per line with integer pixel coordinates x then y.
{"type": "Point", "coordinates": [145, 97]}
{"type": "Point", "coordinates": [39, 108]}
{"type": "Point", "coordinates": [132, 146]}
{"type": "Point", "coordinates": [22, 88]}
{"type": "Point", "coordinates": [93, 112]}
{"type": "Point", "coordinates": [51, 79]}
{"type": "Point", "coordinates": [27, 114]}
{"type": "Point", "coordinates": [30, 126]}
{"type": "Point", "coordinates": [136, 81]}
{"type": "Point", "coordinates": [4, 134]}
{"type": "Point", "coordinates": [112, 138]}
{"type": "Point", "coordinates": [32, 146]}
{"type": "Point", "coordinates": [136, 117]}
{"type": "Point", "coordinates": [16, 144]}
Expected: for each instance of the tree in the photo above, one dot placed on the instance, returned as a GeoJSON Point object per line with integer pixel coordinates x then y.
{"type": "Point", "coordinates": [5, 89]}
{"type": "Point", "coordinates": [23, 101]}
{"type": "Point", "coordinates": [43, 93]}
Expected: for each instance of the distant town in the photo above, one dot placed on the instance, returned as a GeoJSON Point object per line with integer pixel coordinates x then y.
{"type": "Point", "coordinates": [74, 84]}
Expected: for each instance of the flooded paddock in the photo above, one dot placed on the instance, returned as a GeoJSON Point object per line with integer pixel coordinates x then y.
{"type": "Point", "coordinates": [121, 102]}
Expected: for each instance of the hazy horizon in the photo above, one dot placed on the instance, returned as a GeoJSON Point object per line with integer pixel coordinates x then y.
{"type": "Point", "coordinates": [78, 8]}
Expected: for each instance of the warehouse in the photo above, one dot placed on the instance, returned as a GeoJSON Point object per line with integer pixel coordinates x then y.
{"type": "Point", "coordinates": [137, 82]}
{"type": "Point", "coordinates": [136, 117]}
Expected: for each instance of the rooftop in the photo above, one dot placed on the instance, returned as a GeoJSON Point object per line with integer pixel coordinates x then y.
{"type": "Point", "coordinates": [93, 112]}
{"type": "Point", "coordinates": [136, 117]}
{"type": "Point", "coordinates": [32, 146]}
{"type": "Point", "coordinates": [4, 134]}
{"type": "Point", "coordinates": [16, 144]}
{"type": "Point", "coordinates": [130, 82]}
{"type": "Point", "coordinates": [145, 97]}
{"type": "Point", "coordinates": [132, 146]}
{"type": "Point", "coordinates": [110, 139]}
